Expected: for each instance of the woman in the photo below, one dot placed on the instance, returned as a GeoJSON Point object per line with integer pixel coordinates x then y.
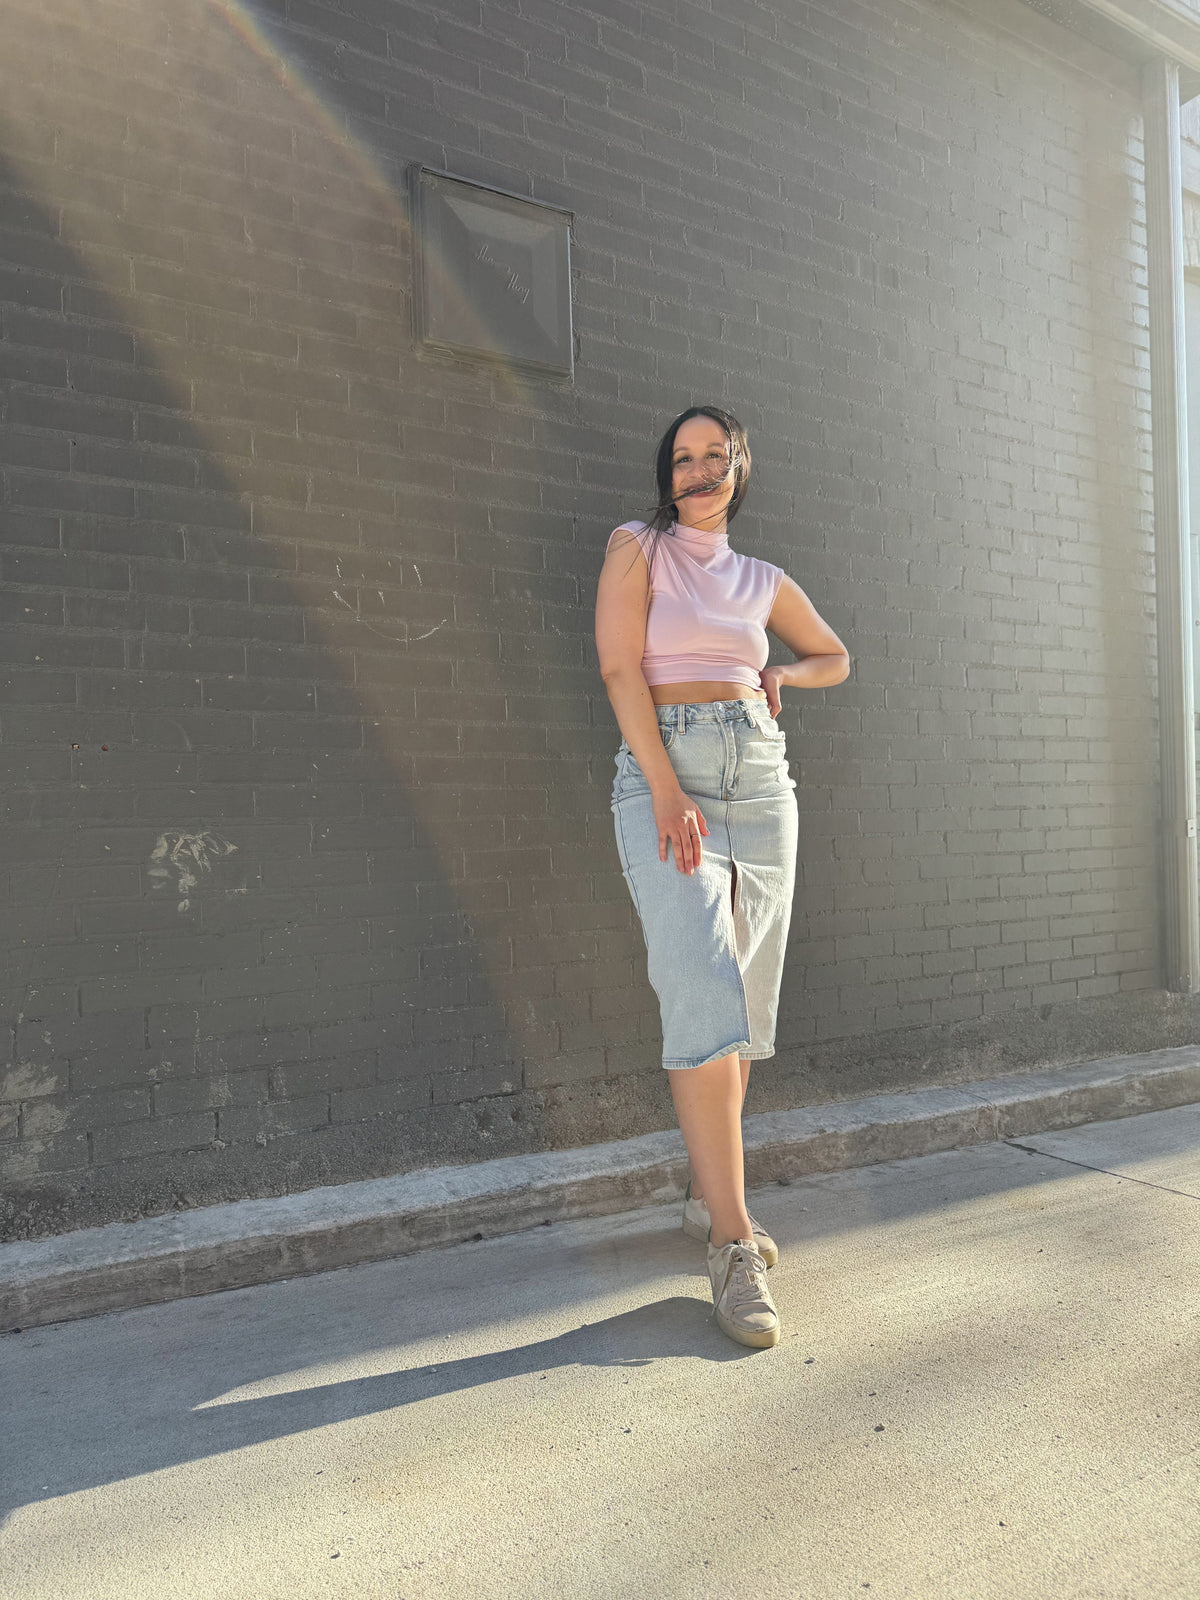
{"type": "Point", "coordinates": [706, 814]}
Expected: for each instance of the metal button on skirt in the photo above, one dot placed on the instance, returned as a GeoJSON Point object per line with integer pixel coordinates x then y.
{"type": "Point", "coordinates": [715, 940]}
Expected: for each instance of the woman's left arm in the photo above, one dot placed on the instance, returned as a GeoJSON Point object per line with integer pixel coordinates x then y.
{"type": "Point", "coordinates": [821, 657]}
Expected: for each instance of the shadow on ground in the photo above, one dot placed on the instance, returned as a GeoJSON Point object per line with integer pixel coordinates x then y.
{"type": "Point", "coordinates": [94, 1403]}
{"type": "Point", "coordinates": [123, 1445]}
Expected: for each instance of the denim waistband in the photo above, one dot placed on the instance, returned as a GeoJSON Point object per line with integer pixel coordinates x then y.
{"type": "Point", "coordinates": [688, 712]}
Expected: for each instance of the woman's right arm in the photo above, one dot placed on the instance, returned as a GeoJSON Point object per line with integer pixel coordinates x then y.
{"type": "Point", "coordinates": [622, 603]}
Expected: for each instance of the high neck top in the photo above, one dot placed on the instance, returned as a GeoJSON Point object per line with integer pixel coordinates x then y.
{"type": "Point", "coordinates": [699, 543]}
{"type": "Point", "coordinates": [709, 606]}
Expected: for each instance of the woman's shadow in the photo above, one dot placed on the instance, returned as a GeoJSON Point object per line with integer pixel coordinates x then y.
{"type": "Point", "coordinates": [676, 1327]}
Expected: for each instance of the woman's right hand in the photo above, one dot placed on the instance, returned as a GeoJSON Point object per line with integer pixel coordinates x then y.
{"type": "Point", "coordinates": [680, 824]}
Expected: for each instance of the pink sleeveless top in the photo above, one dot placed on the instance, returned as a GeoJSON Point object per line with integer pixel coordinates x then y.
{"type": "Point", "coordinates": [708, 608]}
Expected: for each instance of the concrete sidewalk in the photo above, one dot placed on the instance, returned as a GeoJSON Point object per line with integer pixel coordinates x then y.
{"type": "Point", "coordinates": [256, 1241]}
{"type": "Point", "coordinates": [986, 1389]}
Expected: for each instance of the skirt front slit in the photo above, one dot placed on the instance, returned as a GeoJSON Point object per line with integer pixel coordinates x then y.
{"type": "Point", "coordinates": [714, 954]}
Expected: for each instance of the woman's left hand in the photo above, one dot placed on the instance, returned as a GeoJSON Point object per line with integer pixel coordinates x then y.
{"type": "Point", "coordinates": [772, 681]}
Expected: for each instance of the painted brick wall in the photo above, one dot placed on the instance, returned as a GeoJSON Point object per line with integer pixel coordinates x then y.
{"type": "Point", "coordinates": [308, 854]}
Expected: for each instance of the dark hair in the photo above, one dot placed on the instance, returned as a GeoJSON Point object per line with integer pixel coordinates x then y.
{"type": "Point", "coordinates": [665, 512]}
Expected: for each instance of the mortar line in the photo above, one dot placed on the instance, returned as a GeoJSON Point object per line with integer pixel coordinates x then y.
{"type": "Point", "coordinates": [1146, 1183]}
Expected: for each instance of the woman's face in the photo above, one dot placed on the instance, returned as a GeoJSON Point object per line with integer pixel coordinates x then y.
{"type": "Point", "coordinates": [701, 481]}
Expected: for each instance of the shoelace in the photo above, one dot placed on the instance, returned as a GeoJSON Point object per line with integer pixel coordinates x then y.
{"type": "Point", "coordinates": [742, 1281]}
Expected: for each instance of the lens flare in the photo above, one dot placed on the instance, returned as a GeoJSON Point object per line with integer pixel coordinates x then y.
{"type": "Point", "coordinates": [208, 194]}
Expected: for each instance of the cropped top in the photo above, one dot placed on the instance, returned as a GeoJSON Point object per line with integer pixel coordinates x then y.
{"type": "Point", "coordinates": [708, 607]}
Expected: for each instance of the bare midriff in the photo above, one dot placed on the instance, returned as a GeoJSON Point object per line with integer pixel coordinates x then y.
{"type": "Point", "coordinates": [674, 694]}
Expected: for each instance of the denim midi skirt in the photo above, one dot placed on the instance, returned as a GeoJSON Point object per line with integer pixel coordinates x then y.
{"type": "Point", "coordinates": [715, 940]}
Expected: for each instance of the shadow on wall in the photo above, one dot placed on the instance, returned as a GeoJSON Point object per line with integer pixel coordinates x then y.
{"type": "Point", "coordinates": [267, 853]}
{"type": "Point", "coordinates": [1027, 562]}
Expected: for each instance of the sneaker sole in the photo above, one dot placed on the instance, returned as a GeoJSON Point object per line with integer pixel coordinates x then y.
{"type": "Point", "coordinates": [757, 1341]}
{"type": "Point", "coordinates": [695, 1231]}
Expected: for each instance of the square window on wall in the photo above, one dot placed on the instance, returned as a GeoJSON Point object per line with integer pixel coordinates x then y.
{"type": "Point", "coordinates": [493, 275]}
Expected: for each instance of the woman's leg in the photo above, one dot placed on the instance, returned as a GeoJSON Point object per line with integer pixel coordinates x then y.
{"type": "Point", "coordinates": [708, 1103]}
{"type": "Point", "coordinates": [744, 1067]}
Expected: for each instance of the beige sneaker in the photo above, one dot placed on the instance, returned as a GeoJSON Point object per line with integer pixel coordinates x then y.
{"type": "Point", "coordinates": [742, 1302]}
{"type": "Point", "coordinates": [697, 1222]}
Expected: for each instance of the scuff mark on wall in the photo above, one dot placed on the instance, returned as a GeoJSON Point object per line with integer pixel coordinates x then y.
{"type": "Point", "coordinates": [186, 855]}
{"type": "Point", "coordinates": [44, 1118]}
{"type": "Point", "coordinates": [26, 1110]}
{"type": "Point", "coordinates": [393, 638]}
{"type": "Point", "coordinates": [406, 635]}
{"type": "Point", "coordinates": [26, 1080]}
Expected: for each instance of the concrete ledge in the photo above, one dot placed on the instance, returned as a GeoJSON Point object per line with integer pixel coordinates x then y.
{"type": "Point", "coordinates": [256, 1241]}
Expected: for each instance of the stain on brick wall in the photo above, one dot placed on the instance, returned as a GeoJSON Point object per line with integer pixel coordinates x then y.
{"type": "Point", "coordinates": [308, 855]}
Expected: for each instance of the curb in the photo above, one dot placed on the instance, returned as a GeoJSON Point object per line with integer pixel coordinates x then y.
{"type": "Point", "coordinates": [123, 1265]}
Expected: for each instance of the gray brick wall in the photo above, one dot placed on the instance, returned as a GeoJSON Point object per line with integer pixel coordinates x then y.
{"type": "Point", "coordinates": [307, 854]}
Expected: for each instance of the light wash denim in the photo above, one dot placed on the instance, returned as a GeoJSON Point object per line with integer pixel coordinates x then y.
{"type": "Point", "coordinates": [715, 940]}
